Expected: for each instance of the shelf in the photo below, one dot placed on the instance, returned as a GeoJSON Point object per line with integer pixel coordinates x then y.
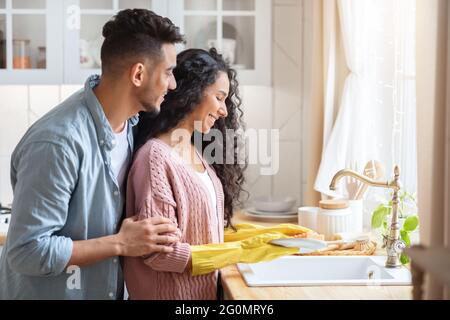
{"type": "Point", "coordinates": [31, 42]}
{"type": "Point", "coordinates": [68, 35]}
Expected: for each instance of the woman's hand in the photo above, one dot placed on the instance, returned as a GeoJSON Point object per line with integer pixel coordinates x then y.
{"type": "Point", "coordinates": [143, 237]}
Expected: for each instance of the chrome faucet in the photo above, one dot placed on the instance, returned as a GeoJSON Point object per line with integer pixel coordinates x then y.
{"type": "Point", "coordinates": [392, 242]}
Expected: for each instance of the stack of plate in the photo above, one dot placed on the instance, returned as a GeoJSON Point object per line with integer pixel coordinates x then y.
{"type": "Point", "coordinates": [272, 208]}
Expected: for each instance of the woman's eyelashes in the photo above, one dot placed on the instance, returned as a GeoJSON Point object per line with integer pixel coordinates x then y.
{"type": "Point", "coordinates": [221, 98]}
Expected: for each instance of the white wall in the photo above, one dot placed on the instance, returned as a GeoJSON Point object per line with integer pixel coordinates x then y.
{"type": "Point", "coordinates": [20, 106]}
{"type": "Point", "coordinates": [287, 96]}
{"type": "Point", "coordinates": [281, 106]}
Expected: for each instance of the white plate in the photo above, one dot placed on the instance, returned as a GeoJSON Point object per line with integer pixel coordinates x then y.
{"type": "Point", "coordinates": [305, 245]}
{"type": "Point", "coordinates": [274, 203]}
{"type": "Point", "coordinates": [270, 213]}
{"type": "Point", "coordinates": [267, 217]}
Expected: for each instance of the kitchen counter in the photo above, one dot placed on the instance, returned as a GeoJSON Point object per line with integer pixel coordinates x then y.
{"type": "Point", "coordinates": [236, 289]}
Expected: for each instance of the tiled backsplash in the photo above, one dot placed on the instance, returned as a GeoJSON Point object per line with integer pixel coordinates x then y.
{"type": "Point", "coordinates": [20, 107]}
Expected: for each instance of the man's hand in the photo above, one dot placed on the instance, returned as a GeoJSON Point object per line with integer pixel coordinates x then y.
{"type": "Point", "coordinates": [135, 238]}
{"type": "Point", "coordinates": [143, 237]}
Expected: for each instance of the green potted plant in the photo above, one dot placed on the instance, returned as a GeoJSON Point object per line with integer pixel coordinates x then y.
{"type": "Point", "coordinates": [409, 222]}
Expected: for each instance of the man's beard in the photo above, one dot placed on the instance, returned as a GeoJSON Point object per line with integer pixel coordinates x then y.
{"type": "Point", "coordinates": [151, 110]}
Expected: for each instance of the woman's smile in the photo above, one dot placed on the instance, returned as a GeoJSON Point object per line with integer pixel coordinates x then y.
{"type": "Point", "coordinates": [212, 119]}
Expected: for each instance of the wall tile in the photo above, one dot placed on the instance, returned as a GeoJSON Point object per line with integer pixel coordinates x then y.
{"type": "Point", "coordinates": [286, 90]}
{"type": "Point", "coordinates": [68, 90]}
{"type": "Point", "coordinates": [42, 99]}
{"type": "Point", "coordinates": [287, 182]}
{"type": "Point", "coordinates": [14, 116]}
{"type": "Point", "coordinates": [260, 187]}
{"type": "Point", "coordinates": [257, 106]}
{"type": "Point", "coordinates": [286, 33]}
{"type": "Point", "coordinates": [286, 73]}
{"type": "Point", "coordinates": [5, 184]}
{"type": "Point", "coordinates": [252, 174]}
{"type": "Point", "coordinates": [291, 130]}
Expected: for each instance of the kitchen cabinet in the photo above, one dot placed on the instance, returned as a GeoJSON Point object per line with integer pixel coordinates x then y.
{"type": "Point", "coordinates": [239, 29]}
{"type": "Point", "coordinates": [31, 41]}
{"type": "Point", "coordinates": [83, 32]}
{"type": "Point", "coordinates": [55, 42]}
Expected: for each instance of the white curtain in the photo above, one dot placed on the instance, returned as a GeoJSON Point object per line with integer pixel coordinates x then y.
{"type": "Point", "coordinates": [376, 110]}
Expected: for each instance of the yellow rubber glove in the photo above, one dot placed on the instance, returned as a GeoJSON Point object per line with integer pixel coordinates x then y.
{"type": "Point", "coordinates": [210, 257]}
{"type": "Point", "coordinates": [246, 230]}
{"type": "Point", "coordinates": [258, 248]}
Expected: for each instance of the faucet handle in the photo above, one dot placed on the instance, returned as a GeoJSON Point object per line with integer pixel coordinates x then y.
{"type": "Point", "coordinates": [396, 171]}
{"type": "Point", "coordinates": [399, 246]}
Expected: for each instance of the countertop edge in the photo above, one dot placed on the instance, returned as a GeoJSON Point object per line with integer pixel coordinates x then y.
{"type": "Point", "coordinates": [235, 288]}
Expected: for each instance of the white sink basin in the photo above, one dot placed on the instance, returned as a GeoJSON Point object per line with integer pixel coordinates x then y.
{"type": "Point", "coordinates": [324, 271]}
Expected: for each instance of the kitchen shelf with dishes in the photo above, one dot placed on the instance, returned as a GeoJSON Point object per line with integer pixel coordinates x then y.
{"type": "Point", "coordinates": [239, 29]}
{"type": "Point", "coordinates": [268, 208]}
{"type": "Point", "coordinates": [30, 41]}
{"type": "Point", "coordinates": [55, 42]}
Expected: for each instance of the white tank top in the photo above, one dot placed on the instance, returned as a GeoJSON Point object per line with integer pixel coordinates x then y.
{"type": "Point", "coordinates": [207, 182]}
{"type": "Point", "coordinates": [120, 159]}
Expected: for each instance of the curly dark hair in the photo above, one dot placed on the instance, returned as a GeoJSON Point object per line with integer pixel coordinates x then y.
{"type": "Point", "coordinates": [196, 70]}
{"type": "Point", "coordinates": [134, 34]}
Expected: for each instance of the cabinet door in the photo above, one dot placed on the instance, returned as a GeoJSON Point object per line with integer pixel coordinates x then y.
{"type": "Point", "coordinates": [30, 42]}
{"type": "Point", "coordinates": [239, 29]}
{"type": "Point", "coordinates": [83, 33]}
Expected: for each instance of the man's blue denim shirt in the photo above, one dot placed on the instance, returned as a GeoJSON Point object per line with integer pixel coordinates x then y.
{"type": "Point", "coordinates": [64, 190]}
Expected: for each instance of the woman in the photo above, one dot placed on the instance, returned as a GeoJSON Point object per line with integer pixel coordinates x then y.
{"type": "Point", "coordinates": [170, 177]}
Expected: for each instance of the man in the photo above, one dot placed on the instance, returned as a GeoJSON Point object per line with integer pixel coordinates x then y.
{"type": "Point", "coordinates": [69, 169]}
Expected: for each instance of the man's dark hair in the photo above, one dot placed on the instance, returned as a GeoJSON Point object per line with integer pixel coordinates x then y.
{"type": "Point", "coordinates": [133, 35]}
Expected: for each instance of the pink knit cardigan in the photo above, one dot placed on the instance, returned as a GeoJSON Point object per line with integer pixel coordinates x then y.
{"type": "Point", "coordinates": [160, 183]}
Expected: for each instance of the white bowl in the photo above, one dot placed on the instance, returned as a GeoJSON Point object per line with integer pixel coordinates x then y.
{"type": "Point", "coordinates": [273, 204]}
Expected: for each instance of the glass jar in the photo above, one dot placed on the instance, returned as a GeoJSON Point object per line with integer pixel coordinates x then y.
{"type": "Point", "coordinates": [21, 55]}
{"type": "Point", "coordinates": [2, 51]}
{"type": "Point", "coordinates": [42, 58]}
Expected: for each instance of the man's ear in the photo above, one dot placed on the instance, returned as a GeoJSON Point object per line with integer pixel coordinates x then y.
{"type": "Point", "coordinates": [137, 74]}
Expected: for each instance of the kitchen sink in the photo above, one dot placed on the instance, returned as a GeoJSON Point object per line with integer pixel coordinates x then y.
{"type": "Point", "coordinates": [324, 271]}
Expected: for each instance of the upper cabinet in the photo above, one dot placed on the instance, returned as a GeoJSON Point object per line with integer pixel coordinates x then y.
{"type": "Point", "coordinates": [83, 33]}
{"type": "Point", "coordinates": [30, 41]}
{"type": "Point", "coordinates": [54, 41]}
{"type": "Point", "coordinates": [239, 29]}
